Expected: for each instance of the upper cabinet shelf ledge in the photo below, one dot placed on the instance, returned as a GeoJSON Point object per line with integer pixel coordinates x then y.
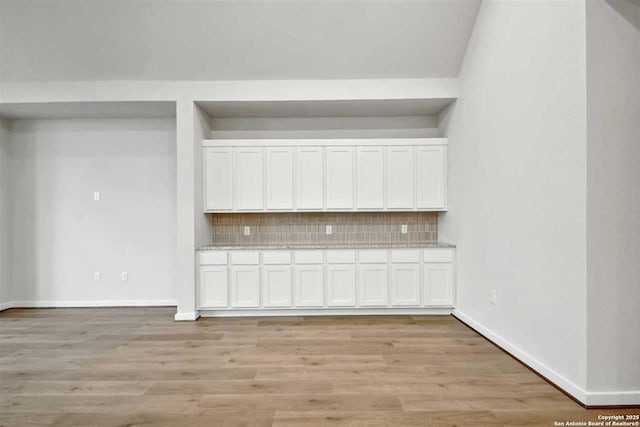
{"type": "Point", "coordinates": [316, 175]}
{"type": "Point", "coordinates": [322, 142]}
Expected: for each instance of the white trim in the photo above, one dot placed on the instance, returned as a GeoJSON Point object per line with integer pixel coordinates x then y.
{"type": "Point", "coordinates": [324, 312]}
{"type": "Point", "coordinates": [582, 395]}
{"type": "Point", "coordinates": [6, 305]}
{"type": "Point", "coordinates": [323, 142]}
{"type": "Point", "coordinates": [93, 303]}
{"type": "Point", "coordinates": [553, 376]}
{"type": "Point", "coordinates": [186, 317]}
{"type": "Point", "coordinates": [603, 398]}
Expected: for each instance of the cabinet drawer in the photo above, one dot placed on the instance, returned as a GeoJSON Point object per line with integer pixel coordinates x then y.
{"type": "Point", "coordinates": [276, 257]}
{"type": "Point", "coordinates": [438, 255]}
{"type": "Point", "coordinates": [341, 257]}
{"type": "Point", "coordinates": [373, 256]}
{"type": "Point", "coordinates": [245, 258]}
{"type": "Point", "coordinates": [309, 257]}
{"type": "Point", "coordinates": [213, 258]}
{"type": "Point", "coordinates": [405, 256]}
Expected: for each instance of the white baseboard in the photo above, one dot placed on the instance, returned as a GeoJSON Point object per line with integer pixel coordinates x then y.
{"type": "Point", "coordinates": [587, 398]}
{"type": "Point", "coordinates": [186, 317]}
{"type": "Point", "coordinates": [264, 312]}
{"type": "Point", "coordinates": [613, 398]}
{"type": "Point", "coordinates": [6, 305]}
{"type": "Point", "coordinates": [93, 303]}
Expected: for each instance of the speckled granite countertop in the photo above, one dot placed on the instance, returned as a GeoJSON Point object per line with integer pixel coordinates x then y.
{"type": "Point", "coordinates": [404, 245]}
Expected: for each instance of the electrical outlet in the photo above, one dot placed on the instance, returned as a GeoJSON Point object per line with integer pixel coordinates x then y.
{"type": "Point", "coordinates": [247, 230]}
{"type": "Point", "coordinates": [329, 229]}
{"type": "Point", "coordinates": [96, 276]}
{"type": "Point", "coordinates": [403, 229]}
{"type": "Point", "coordinates": [493, 296]}
{"type": "Point", "coordinates": [96, 196]}
{"type": "Point", "coordinates": [124, 276]}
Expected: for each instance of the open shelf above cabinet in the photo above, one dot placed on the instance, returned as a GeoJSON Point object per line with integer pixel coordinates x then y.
{"type": "Point", "coordinates": [327, 108]}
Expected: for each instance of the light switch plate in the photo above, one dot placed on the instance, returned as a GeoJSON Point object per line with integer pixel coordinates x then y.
{"type": "Point", "coordinates": [329, 229]}
{"type": "Point", "coordinates": [96, 196]}
{"type": "Point", "coordinates": [124, 275]}
{"type": "Point", "coordinates": [247, 230]}
{"type": "Point", "coordinates": [403, 229]}
{"type": "Point", "coordinates": [96, 276]}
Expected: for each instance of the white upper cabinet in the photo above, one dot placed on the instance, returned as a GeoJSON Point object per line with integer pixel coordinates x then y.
{"type": "Point", "coordinates": [400, 177]}
{"type": "Point", "coordinates": [404, 174]}
{"type": "Point", "coordinates": [370, 182]}
{"type": "Point", "coordinates": [309, 178]}
{"type": "Point", "coordinates": [249, 178]}
{"type": "Point", "coordinates": [218, 184]}
{"type": "Point", "coordinates": [339, 177]}
{"type": "Point", "coordinates": [279, 178]}
{"type": "Point", "coordinates": [432, 177]}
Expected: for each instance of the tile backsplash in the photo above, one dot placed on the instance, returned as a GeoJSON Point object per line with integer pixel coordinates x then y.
{"type": "Point", "coordinates": [310, 228]}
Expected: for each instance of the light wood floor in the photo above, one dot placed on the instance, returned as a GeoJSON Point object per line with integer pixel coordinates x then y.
{"type": "Point", "coordinates": [137, 367]}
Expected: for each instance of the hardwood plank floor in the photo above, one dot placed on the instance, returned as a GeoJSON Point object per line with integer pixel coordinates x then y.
{"type": "Point", "coordinates": [135, 366]}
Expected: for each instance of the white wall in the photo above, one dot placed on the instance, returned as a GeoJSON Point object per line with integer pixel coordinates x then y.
{"type": "Point", "coordinates": [62, 236]}
{"type": "Point", "coordinates": [201, 130]}
{"type": "Point", "coordinates": [517, 184]}
{"type": "Point", "coordinates": [613, 198]}
{"type": "Point", "coordinates": [5, 218]}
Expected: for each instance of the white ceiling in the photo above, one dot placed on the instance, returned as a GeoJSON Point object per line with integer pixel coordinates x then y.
{"type": "Point", "coordinates": [233, 39]}
{"type": "Point", "coordinates": [87, 110]}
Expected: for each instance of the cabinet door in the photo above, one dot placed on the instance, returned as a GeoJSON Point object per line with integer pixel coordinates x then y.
{"type": "Point", "coordinates": [249, 178]}
{"type": "Point", "coordinates": [341, 285]}
{"type": "Point", "coordinates": [370, 182]}
{"type": "Point", "coordinates": [279, 178]}
{"type": "Point", "coordinates": [309, 178]}
{"type": "Point", "coordinates": [431, 173]}
{"type": "Point", "coordinates": [276, 285]}
{"type": "Point", "coordinates": [213, 286]}
{"type": "Point", "coordinates": [400, 178]}
{"type": "Point", "coordinates": [245, 286]}
{"type": "Point", "coordinates": [218, 179]}
{"type": "Point", "coordinates": [372, 284]}
{"type": "Point", "coordinates": [309, 284]}
{"type": "Point", "coordinates": [339, 173]}
{"type": "Point", "coordinates": [405, 284]}
{"type": "Point", "coordinates": [438, 284]}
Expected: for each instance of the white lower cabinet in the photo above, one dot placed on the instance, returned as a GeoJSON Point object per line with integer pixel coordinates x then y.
{"type": "Point", "coordinates": [332, 278]}
{"type": "Point", "coordinates": [276, 285]}
{"type": "Point", "coordinates": [438, 284]}
{"type": "Point", "coordinates": [405, 284]}
{"type": "Point", "coordinates": [245, 286]}
{"type": "Point", "coordinates": [309, 285]}
{"type": "Point", "coordinates": [372, 285]}
{"type": "Point", "coordinates": [214, 286]}
{"type": "Point", "coordinates": [341, 285]}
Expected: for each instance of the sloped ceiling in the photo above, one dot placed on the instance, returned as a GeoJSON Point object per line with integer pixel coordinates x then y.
{"type": "Point", "coordinates": [232, 40]}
